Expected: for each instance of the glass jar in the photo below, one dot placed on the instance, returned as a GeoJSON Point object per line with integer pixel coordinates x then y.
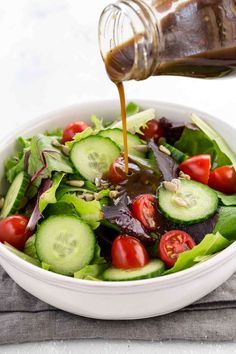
{"type": "Point", "coordinates": [194, 38]}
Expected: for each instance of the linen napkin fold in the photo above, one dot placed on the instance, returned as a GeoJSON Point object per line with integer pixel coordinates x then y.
{"type": "Point", "coordinates": [24, 318]}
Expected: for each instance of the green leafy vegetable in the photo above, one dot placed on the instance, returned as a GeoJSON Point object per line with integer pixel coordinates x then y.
{"type": "Point", "coordinates": [195, 142]}
{"type": "Point", "coordinates": [45, 159]}
{"type": "Point", "coordinates": [131, 109]}
{"type": "Point", "coordinates": [30, 249]}
{"type": "Point", "coordinates": [226, 223]}
{"type": "Point", "coordinates": [91, 272]}
{"type": "Point", "coordinates": [49, 197]}
{"type": "Point", "coordinates": [14, 165]}
{"type": "Point", "coordinates": [58, 132]}
{"type": "Point", "coordinates": [88, 211]}
{"type": "Point", "coordinates": [59, 208]}
{"type": "Point", "coordinates": [212, 243]}
{"type": "Point", "coordinates": [79, 136]}
{"type": "Point", "coordinates": [98, 123]}
{"type": "Point", "coordinates": [137, 121]}
{"type": "Point", "coordinates": [216, 139]}
{"type": "Point", "coordinates": [22, 255]}
{"type": "Point", "coordinates": [45, 266]}
{"type": "Point", "coordinates": [226, 199]}
{"type": "Point", "coordinates": [98, 259]}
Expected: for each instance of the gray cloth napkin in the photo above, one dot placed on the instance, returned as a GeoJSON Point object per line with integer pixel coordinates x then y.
{"type": "Point", "coordinates": [23, 318]}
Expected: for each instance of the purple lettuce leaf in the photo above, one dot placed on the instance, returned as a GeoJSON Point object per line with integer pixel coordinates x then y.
{"type": "Point", "coordinates": [166, 164]}
{"type": "Point", "coordinates": [36, 216]}
{"type": "Point", "coordinates": [120, 215]}
{"type": "Point", "coordinates": [172, 130]}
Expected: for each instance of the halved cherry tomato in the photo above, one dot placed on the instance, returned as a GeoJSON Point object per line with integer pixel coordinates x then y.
{"type": "Point", "coordinates": [128, 252]}
{"type": "Point", "coordinates": [144, 209]}
{"type": "Point", "coordinates": [223, 179]}
{"type": "Point", "coordinates": [197, 167]}
{"type": "Point", "coordinates": [117, 173]}
{"type": "Point", "coordinates": [72, 129]}
{"type": "Point", "coordinates": [173, 243]}
{"type": "Point", "coordinates": [152, 130]}
{"type": "Point", "coordinates": [13, 231]}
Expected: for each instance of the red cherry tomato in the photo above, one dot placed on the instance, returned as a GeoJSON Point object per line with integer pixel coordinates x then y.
{"type": "Point", "coordinates": [13, 231]}
{"type": "Point", "coordinates": [72, 129]}
{"type": "Point", "coordinates": [197, 167]}
{"type": "Point", "coordinates": [173, 243]}
{"type": "Point", "coordinates": [223, 179]}
{"type": "Point", "coordinates": [152, 130]}
{"type": "Point", "coordinates": [144, 209]}
{"type": "Point", "coordinates": [128, 252]}
{"type": "Point", "coordinates": [117, 171]}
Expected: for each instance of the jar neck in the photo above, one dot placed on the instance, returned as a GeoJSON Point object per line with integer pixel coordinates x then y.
{"type": "Point", "coordinates": [128, 39]}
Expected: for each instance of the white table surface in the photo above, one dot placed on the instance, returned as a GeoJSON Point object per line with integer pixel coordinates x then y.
{"type": "Point", "coordinates": [49, 58]}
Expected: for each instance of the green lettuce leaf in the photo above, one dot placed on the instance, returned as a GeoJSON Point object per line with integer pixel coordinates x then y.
{"type": "Point", "coordinates": [59, 208]}
{"type": "Point", "coordinates": [58, 132]}
{"type": "Point", "coordinates": [91, 272]}
{"type": "Point", "coordinates": [212, 243]}
{"type": "Point", "coordinates": [49, 197]}
{"type": "Point", "coordinates": [97, 122]}
{"type": "Point", "coordinates": [98, 259]}
{"type": "Point", "coordinates": [131, 109]}
{"type": "Point", "coordinates": [216, 139]}
{"type": "Point", "coordinates": [90, 212]}
{"type": "Point", "coordinates": [30, 249]}
{"type": "Point", "coordinates": [226, 223]}
{"type": "Point", "coordinates": [15, 164]}
{"type": "Point", "coordinates": [46, 158]}
{"type": "Point", "coordinates": [79, 136]}
{"type": "Point", "coordinates": [226, 199]}
{"type": "Point", "coordinates": [195, 142]}
{"type": "Point", "coordinates": [136, 121]}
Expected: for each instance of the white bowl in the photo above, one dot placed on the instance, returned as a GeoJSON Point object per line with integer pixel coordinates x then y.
{"type": "Point", "coordinates": [121, 300]}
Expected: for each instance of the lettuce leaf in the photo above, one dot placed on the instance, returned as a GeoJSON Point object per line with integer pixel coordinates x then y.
{"type": "Point", "coordinates": [211, 244]}
{"type": "Point", "coordinates": [22, 255]}
{"type": "Point", "coordinates": [216, 139]}
{"type": "Point", "coordinates": [90, 212]}
{"type": "Point", "coordinates": [30, 249]}
{"type": "Point", "coordinates": [79, 136]}
{"type": "Point", "coordinates": [58, 132]}
{"type": "Point", "coordinates": [226, 223]}
{"type": "Point", "coordinates": [45, 159]}
{"type": "Point", "coordinates": [132, 108]}
{"type": "Point", "coordinates": [194, 142]}
{"type": "Point", "coordinates": [226, 199]}
{"type": "Point", "coordinates": [136, 121]}
{"type": "Point", "coordinates": [97, 122]}
{"type": "Point", "coordinates": [15, 164]}
{"type": "Point", "coordinates": [91, 272]}
{"type": "Point", "coordinates": [49, 196]}
{"type": "Point", "coordinates": [59, 208]}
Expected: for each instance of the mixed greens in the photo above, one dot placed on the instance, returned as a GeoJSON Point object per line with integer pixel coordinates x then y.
{"type": "Point", "coordinates": [71, 209]}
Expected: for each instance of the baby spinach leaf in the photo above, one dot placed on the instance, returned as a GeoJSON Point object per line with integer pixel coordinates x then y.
{"type": "Point", "coordinates": [212, 243]}
{"type": "Point", "coordinates": [226, 223]}
{"type": "Point", "coordinates": [226, 199]}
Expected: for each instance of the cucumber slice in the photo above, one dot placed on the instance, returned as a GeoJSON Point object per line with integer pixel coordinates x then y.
{"type": "Point", "coordinates": [66, 243]}
{"type": "Point", "coordinates": [201, 200]}
{"type": "Point", "coordinates": [117, 136]}
{"type": "Point", "coordinates": [93, 156]}
{"type": "Point", "coordinates": [177, 155]}
{"type": "Point", "coordinates": [153, 269]}
{"type": "Point", "coordinates": [15, 194]}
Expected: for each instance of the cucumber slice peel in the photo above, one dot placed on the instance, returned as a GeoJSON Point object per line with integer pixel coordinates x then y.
{"type": "Point", "coordinates": [15, 194]}
{"type": "Point", "coordinates": [153, 269]}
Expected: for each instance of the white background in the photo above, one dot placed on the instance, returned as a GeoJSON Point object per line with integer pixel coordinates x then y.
{"type": "Point", "coordinates": [49, 58]}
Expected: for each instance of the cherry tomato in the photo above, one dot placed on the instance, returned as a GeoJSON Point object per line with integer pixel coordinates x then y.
{"type": "Point", "coordinates": [152, 130]}
{"type": "Point", "coordinates": [144, 209]}
{"type": "Point", "coordinates": [223, 179]}
{"type": "Point", "coordinates": [13, 231]}
{"type": "Point", "coordinates": [128, 252]}
{"type": "Point", "coordinates": [173, 243]}
{"type": "Point", "coordinates": [117, 173]}
{"type": "Point", "coordinates": [197, 167]}
{"type": "Point", "coordinates": [72, 129]}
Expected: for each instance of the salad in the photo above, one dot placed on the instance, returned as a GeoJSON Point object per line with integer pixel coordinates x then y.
{"type": "Point", "coordinates": [71, 208]}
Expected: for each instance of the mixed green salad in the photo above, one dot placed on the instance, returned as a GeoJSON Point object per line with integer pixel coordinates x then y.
{"type": "Point", "coordinates": [71, 208]}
